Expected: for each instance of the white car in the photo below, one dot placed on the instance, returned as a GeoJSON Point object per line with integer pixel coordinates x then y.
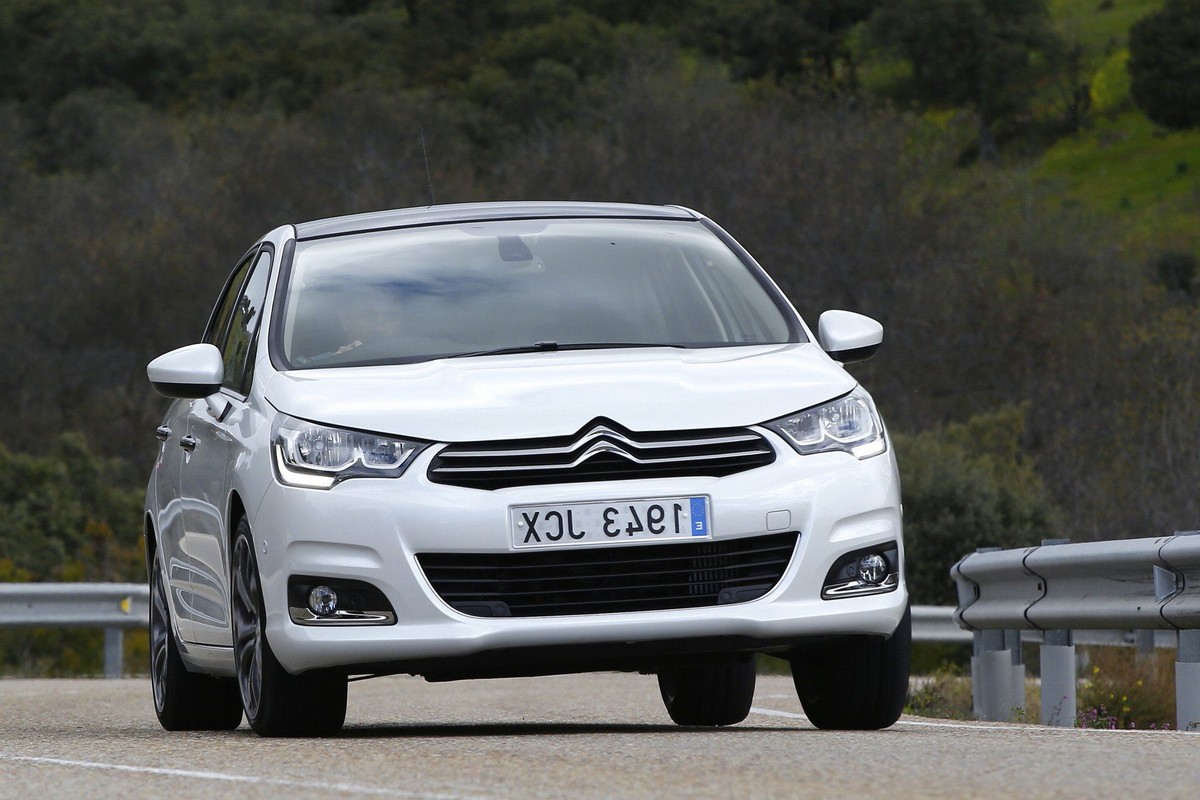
{"type": "Point", "coordinates": [519, 439]}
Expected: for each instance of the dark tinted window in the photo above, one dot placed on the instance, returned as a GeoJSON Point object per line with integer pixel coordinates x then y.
{"type": "Point", "coordinates": [219, 324]}
{"type": "Point", "coordinates": [243, 328]}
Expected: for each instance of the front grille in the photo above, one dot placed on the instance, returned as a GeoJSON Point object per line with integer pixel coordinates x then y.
{"type": "Point", "coordinates": [601, 451]}
{"type": "Point", "coordinates": [601, 580]}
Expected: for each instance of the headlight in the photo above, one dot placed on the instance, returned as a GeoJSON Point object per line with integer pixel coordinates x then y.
{"type": "Point", "coordinates": [317, 456]}
{"type": "Point", "coordinates": [850, 424]}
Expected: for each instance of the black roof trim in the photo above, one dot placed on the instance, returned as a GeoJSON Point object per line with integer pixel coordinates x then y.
{"type": "Point", "coordinates": [478, 212]}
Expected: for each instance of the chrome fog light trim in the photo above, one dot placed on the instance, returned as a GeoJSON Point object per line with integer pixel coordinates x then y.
{"type": "Point", "coordinates": [871, 570]}
{"type": "Point", "coordinates": [305, 616]}
{"type": "Point", "coordinates": [318, 600]}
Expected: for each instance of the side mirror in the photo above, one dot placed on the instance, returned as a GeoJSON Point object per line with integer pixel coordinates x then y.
{"type": "Point", "coordinates": [848, 337]}
{"type": "Point", "coordinates": [189, 372]}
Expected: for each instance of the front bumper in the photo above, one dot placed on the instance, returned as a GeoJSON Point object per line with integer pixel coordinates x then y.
{"type": "Point", "coordinates": [372, 529]}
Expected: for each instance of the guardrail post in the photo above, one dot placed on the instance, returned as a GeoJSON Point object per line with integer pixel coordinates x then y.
{"type": "Point", "coordinates": [1058, 679]}
{"type": "Point", "coordinates": [994, 692]}
{"type": "Point", "coordinates": [976, 678]}
{"type": "Point", "coordinates": [114, 652]}
{"type": "Point", "coordinates": [993, 667]}
{"type": "Point", "coordinates": [1187, 682]}
{"type": "Point", "coordinates": [1187, 659]}
{"type": "Point", "coordinates": [1145, 651]}
{"type": "Point", "coordinates": [1012, 641]}
{"type": "Point", "coordinates": [1059, 671]}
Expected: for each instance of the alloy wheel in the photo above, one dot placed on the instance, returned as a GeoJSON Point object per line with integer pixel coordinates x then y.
{"type": "Point", "coordinates": [247, 626]}
{"type": "Point", "coordinates": [159, 637]}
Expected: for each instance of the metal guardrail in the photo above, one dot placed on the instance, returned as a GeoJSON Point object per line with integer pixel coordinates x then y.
{"type": "Point", "coordinates": [1060, 590]}
{"type": "Point", "coordinates": [1114, 586]}
{"type": "Point", "coordinates": [122, 606]}
{"type": "Point", "coordinates": [116, 607]}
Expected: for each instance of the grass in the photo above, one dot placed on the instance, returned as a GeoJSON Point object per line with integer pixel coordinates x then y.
{"type": "Point", "coordinates": [1121, 166]}
{"type": "Point", "coordinates": [1116, 691]}
{"type": "Point", "coordinates": [1120, 691]}
{"type": "Point", "coordinates": [946, 694]}
{"type": "Point", "coordinates": [1099, 26]}
{"type": "Point", "coordinates": [1145, 179]}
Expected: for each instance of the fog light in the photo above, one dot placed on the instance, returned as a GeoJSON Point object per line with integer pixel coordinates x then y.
{"type": "Point", "coordinates": [872, 568]}
{"type": "Point", "coordinates": [869, 570]}
{"type": "Point", "coordinates": [322, 600]}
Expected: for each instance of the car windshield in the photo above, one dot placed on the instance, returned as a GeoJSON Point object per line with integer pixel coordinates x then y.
{"type": "Point", "coordinates": [401, 296]}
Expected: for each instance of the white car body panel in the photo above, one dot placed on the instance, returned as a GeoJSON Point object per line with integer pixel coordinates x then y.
{"type": "Point", "coordinates": [553, 394]}
{"type": "Point", "coordinates": [378, 540]}
{"type": "Point", "coordinates": [371, 529]}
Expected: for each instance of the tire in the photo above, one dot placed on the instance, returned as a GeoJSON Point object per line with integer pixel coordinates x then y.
{"type": "Point", "coordinates": [183, 700]}
{"type": "Point", "coordinates": [711, 695]}
{"type": "Point", "coordinates": [275, 702]}
{"type": "Point", "coordinates": [855, 684]}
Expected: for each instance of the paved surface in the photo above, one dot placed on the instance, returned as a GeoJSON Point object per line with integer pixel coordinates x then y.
{"type": "Point", "coordinates": [593, 736]}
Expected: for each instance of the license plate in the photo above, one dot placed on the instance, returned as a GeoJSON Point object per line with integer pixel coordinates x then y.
{"type": "Point", "coordinates": [610, 522]}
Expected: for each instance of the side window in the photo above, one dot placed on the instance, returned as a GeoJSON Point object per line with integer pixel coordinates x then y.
{"type": "Point", "coordinates": [220, 321]}
{"type": "Point", "coordinates": [243, 325]}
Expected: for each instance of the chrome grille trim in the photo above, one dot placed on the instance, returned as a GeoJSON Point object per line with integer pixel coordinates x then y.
{"type": "Point", "coordinates": [597, 450]}
{"type": "Point", "coordinates": [603, 432]}
{"type": "Point", "coordinates": [601, 451]}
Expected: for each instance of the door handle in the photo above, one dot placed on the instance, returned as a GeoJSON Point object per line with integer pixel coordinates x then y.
{"type": "Point", "coordinates": [162, 432]}
{"type": "Point", "coordinates": [189, 443]}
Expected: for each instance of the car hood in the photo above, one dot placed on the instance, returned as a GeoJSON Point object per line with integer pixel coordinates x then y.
{"type": "Point", "coordinates": [558, 393]}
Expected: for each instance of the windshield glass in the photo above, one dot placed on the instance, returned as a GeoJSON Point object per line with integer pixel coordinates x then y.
{"type": "Point", "coordinates": [416, 294]}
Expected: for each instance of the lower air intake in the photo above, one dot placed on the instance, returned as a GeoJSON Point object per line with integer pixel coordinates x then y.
{"type": "Point", "coordinates": [603, 580]}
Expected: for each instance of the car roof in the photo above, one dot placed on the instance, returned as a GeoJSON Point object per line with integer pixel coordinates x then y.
{"type": "Point", "coordinates": [475, 212]}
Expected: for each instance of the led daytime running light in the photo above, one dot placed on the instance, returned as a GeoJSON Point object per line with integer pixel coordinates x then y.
{"type": "Point", "coordinates": [848, 424]}
{"type": "Point", "coordinates": [317, 456]}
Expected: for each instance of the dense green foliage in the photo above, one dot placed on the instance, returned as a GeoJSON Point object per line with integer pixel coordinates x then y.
{"type": "Point", "coordinates": [966, 486]}
{"type": "Point", "coordinates": [1164, 64]}
{"type": "Point", "coordinates": [144, 144]}
{"type": "Point", "coordinates": [801, 43]}
{"type": "Point", "coordinates": [59, 514]}
{"type": "Point", "coordinates": [974, 53]}
{"type": "Point", "coordinates": [67, 515]}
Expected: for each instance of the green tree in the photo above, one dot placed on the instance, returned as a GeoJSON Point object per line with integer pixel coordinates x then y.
{"type": "Point", "coordinates": [975, 53]}
{"type": "Point", "coordinates": [1164, 64]}
{"type": "Point", "coordinates": [782, 39]}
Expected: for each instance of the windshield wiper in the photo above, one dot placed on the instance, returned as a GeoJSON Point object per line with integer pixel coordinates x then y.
{"type": "Point", "coordinates": [616, 345]}
{"type": "Point", "coordinates": [550, 347]}
{"type": "Point", "coordinates": [536, 347]}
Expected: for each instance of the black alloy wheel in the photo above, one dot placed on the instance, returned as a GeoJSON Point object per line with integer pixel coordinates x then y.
{"type": "Point", "coordinates": [183, 700]}
{"type": "Point", "coordinates": [276, 703]}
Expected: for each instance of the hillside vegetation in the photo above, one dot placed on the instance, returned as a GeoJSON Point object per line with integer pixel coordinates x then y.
{"type": "Point", "coordinates": [974, 174]}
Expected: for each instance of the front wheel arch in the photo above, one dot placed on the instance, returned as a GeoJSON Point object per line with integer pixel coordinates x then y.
{"type": "Point", "coordinates": [151, 544]}
{"type": "Point", "coordinates": [275, 702]}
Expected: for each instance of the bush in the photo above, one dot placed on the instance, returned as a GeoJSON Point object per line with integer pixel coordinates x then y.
{"type": "Point", "coordinates": [1121, 691]}
{"type": "Point", "coordinates": [945, 694]}
{"type": "Point", "coordinates": [966, 486]}
{"type": "Point", "coordinates": [1164, 64]}
{"type": "Point", "coordinates": [68, 516]}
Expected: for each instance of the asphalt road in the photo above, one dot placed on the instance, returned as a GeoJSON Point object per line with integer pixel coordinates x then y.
{"type": "Point", "coordinates": [591, 736]}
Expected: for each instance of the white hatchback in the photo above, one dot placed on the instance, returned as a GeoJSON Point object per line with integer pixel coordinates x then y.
{"type": "Point", "coordinates": [519, 439]}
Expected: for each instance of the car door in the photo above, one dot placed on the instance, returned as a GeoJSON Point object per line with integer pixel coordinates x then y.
{"type": "Point", "coordinates": [216, 433]}
{"type": "Point", "coordinates": [168, 471]}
